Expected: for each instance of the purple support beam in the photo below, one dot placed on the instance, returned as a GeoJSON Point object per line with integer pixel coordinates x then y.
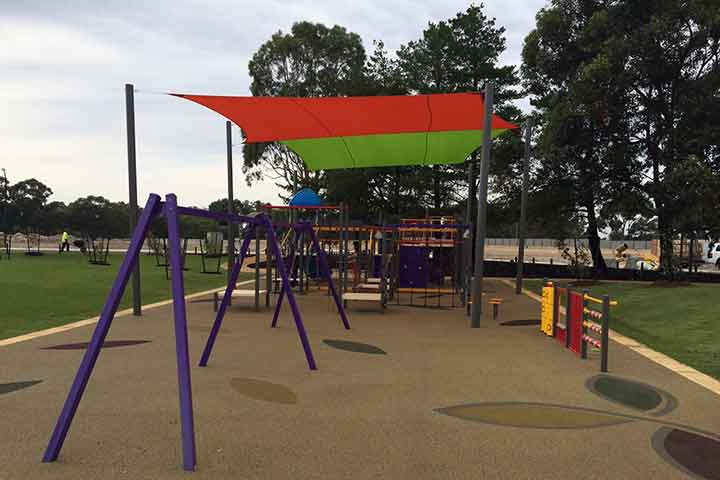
{"type": "Point", "coordinates": [278, 305]}
{"type": "Point", "coordinates": [275, 246]}
{"type": "Point", "coordinates": [152, 208]}
{"type": "Point", "coordinates": [326, 271]}
{"type": "Point", "coordinates": [187, 426]}
{"type": "Point", "coordinates": [225, 217]}
{"type": "Point", "coordinates": [225, 301]}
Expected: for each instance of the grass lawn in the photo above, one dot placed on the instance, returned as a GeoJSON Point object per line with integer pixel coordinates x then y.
{"type": "Point", "coordinates": [51, 290]}
{"type": "Point", "coordinates": [682, 322]}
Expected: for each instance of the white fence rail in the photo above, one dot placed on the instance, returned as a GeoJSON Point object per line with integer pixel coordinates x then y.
{"type": "Point", "coordinates": [553, 242]}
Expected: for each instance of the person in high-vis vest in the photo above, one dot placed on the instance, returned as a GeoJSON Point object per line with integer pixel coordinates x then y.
{"type": "Point", "coordinates": [65, 244]}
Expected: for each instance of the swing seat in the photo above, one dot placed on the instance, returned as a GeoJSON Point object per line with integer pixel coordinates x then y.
{"type": "Point", "coordinates": [235, 294]}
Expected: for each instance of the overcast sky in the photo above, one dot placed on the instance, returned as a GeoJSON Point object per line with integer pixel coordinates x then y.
{"type": "Point", "coordinates": [63, 66]}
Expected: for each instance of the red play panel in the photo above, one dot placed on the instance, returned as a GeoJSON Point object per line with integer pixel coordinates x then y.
{"type": "Point", "coordinates": [577, 303]}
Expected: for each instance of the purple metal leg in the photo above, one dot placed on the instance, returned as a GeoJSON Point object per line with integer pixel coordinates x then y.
{"type": "Point", "coordinates": [273, 243]}
{"type": "Point", "coordinates": [278, 305]}
{"type": "Point", "coordinates": [152, 208]}
{"type": "Point", "coordinates": [326, 271]}
{"type": "Point", "coordinates": [225, 302]}
{"type": "Point", "coordinates": [187, 427]}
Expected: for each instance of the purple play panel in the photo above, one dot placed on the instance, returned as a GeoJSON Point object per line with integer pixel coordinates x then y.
{"type": "Point", "coordinates": [414, 264]}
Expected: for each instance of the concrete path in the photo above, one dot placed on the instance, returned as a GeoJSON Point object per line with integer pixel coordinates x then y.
{"type": "Point", "coordinates": [260, 413]}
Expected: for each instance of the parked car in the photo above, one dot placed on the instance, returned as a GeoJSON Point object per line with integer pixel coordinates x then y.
{"type": "Point", "coordinates": [713, 254]}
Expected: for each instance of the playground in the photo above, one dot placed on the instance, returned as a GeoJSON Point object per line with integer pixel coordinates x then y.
{"type": "Point", "coordinates": [409, 394]}
{"type": "Point", "coordinates": [370, 349]}
{"type": "Point", "coordinates": [360, 240]}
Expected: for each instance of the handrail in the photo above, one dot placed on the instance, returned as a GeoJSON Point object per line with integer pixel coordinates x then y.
{"type": "Point", "coordinates": [599, 301]}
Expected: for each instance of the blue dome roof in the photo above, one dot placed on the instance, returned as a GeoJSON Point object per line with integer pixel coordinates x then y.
{"type": "Point", "coordinates": [305, 198]}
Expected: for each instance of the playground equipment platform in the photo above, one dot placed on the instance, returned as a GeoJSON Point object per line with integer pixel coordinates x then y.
{"type": "Point", "coordinates": [375, 298]}
{"type": "Point", "coordinates": [363, 414]}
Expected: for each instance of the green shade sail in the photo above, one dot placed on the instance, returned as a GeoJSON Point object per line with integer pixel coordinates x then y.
{"type": "Point", "coordinates": [424, 148]}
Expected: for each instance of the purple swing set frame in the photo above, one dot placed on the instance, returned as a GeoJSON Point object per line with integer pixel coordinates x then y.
{"type": "Point", "coordinates": [154, 208]}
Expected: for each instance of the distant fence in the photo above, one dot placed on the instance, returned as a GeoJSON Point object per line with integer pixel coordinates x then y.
{"type": "Point", "coordinates": [494, 268]}
{"type": "Point", "coordinates": [120, 243]}
{"type": "Point", "coordinates": [51, 243]}
{"type": "Point", "coordinates": [552, 243]}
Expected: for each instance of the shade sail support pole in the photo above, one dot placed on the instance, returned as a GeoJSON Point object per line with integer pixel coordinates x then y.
{"type": "Point", "coordinates": [132, 189]}
{"type": "Point", "coordinates": [522, 227]}
{"type": "Point", "coordinates": [231, 198]}
{"type": "Point", "coordinates": [480, 227]}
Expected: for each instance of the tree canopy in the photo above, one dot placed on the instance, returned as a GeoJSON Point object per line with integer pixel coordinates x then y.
{"type": "Point", "coordinates": [627, 93]}
{"type": "Point", "coordinates": [454, 55]}
{"type": "Point", "coordinates": [29, 211]}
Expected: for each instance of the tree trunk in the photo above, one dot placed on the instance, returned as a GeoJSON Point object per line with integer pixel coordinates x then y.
{"type": "Point", "coordinates": [599, 266]}
{"type": "Point", "coordinates": [664, 219]}
{"type": "Point", "coordinates": [666, 244]}
{"type": "Point", "coordinates": [682, 238]}
{"type": "Point", "coordinates": [691, 253]}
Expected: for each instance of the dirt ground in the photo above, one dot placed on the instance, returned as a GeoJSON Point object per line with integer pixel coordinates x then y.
{"type": "Point", "coordinates": [260, 413]}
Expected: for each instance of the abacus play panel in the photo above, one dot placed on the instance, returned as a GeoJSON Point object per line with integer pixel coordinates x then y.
{"type": "Point", "coordinates": [579, 330]}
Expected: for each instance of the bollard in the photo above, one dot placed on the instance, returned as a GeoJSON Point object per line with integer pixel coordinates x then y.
{"type": "Point", "coordinates": [604, 338]}
{"type": "Point", "coordinates": [495, 302]}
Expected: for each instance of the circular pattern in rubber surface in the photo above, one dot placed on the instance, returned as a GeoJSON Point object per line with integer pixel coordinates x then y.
{"type": "Point", "coordinates": [690, 452]}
